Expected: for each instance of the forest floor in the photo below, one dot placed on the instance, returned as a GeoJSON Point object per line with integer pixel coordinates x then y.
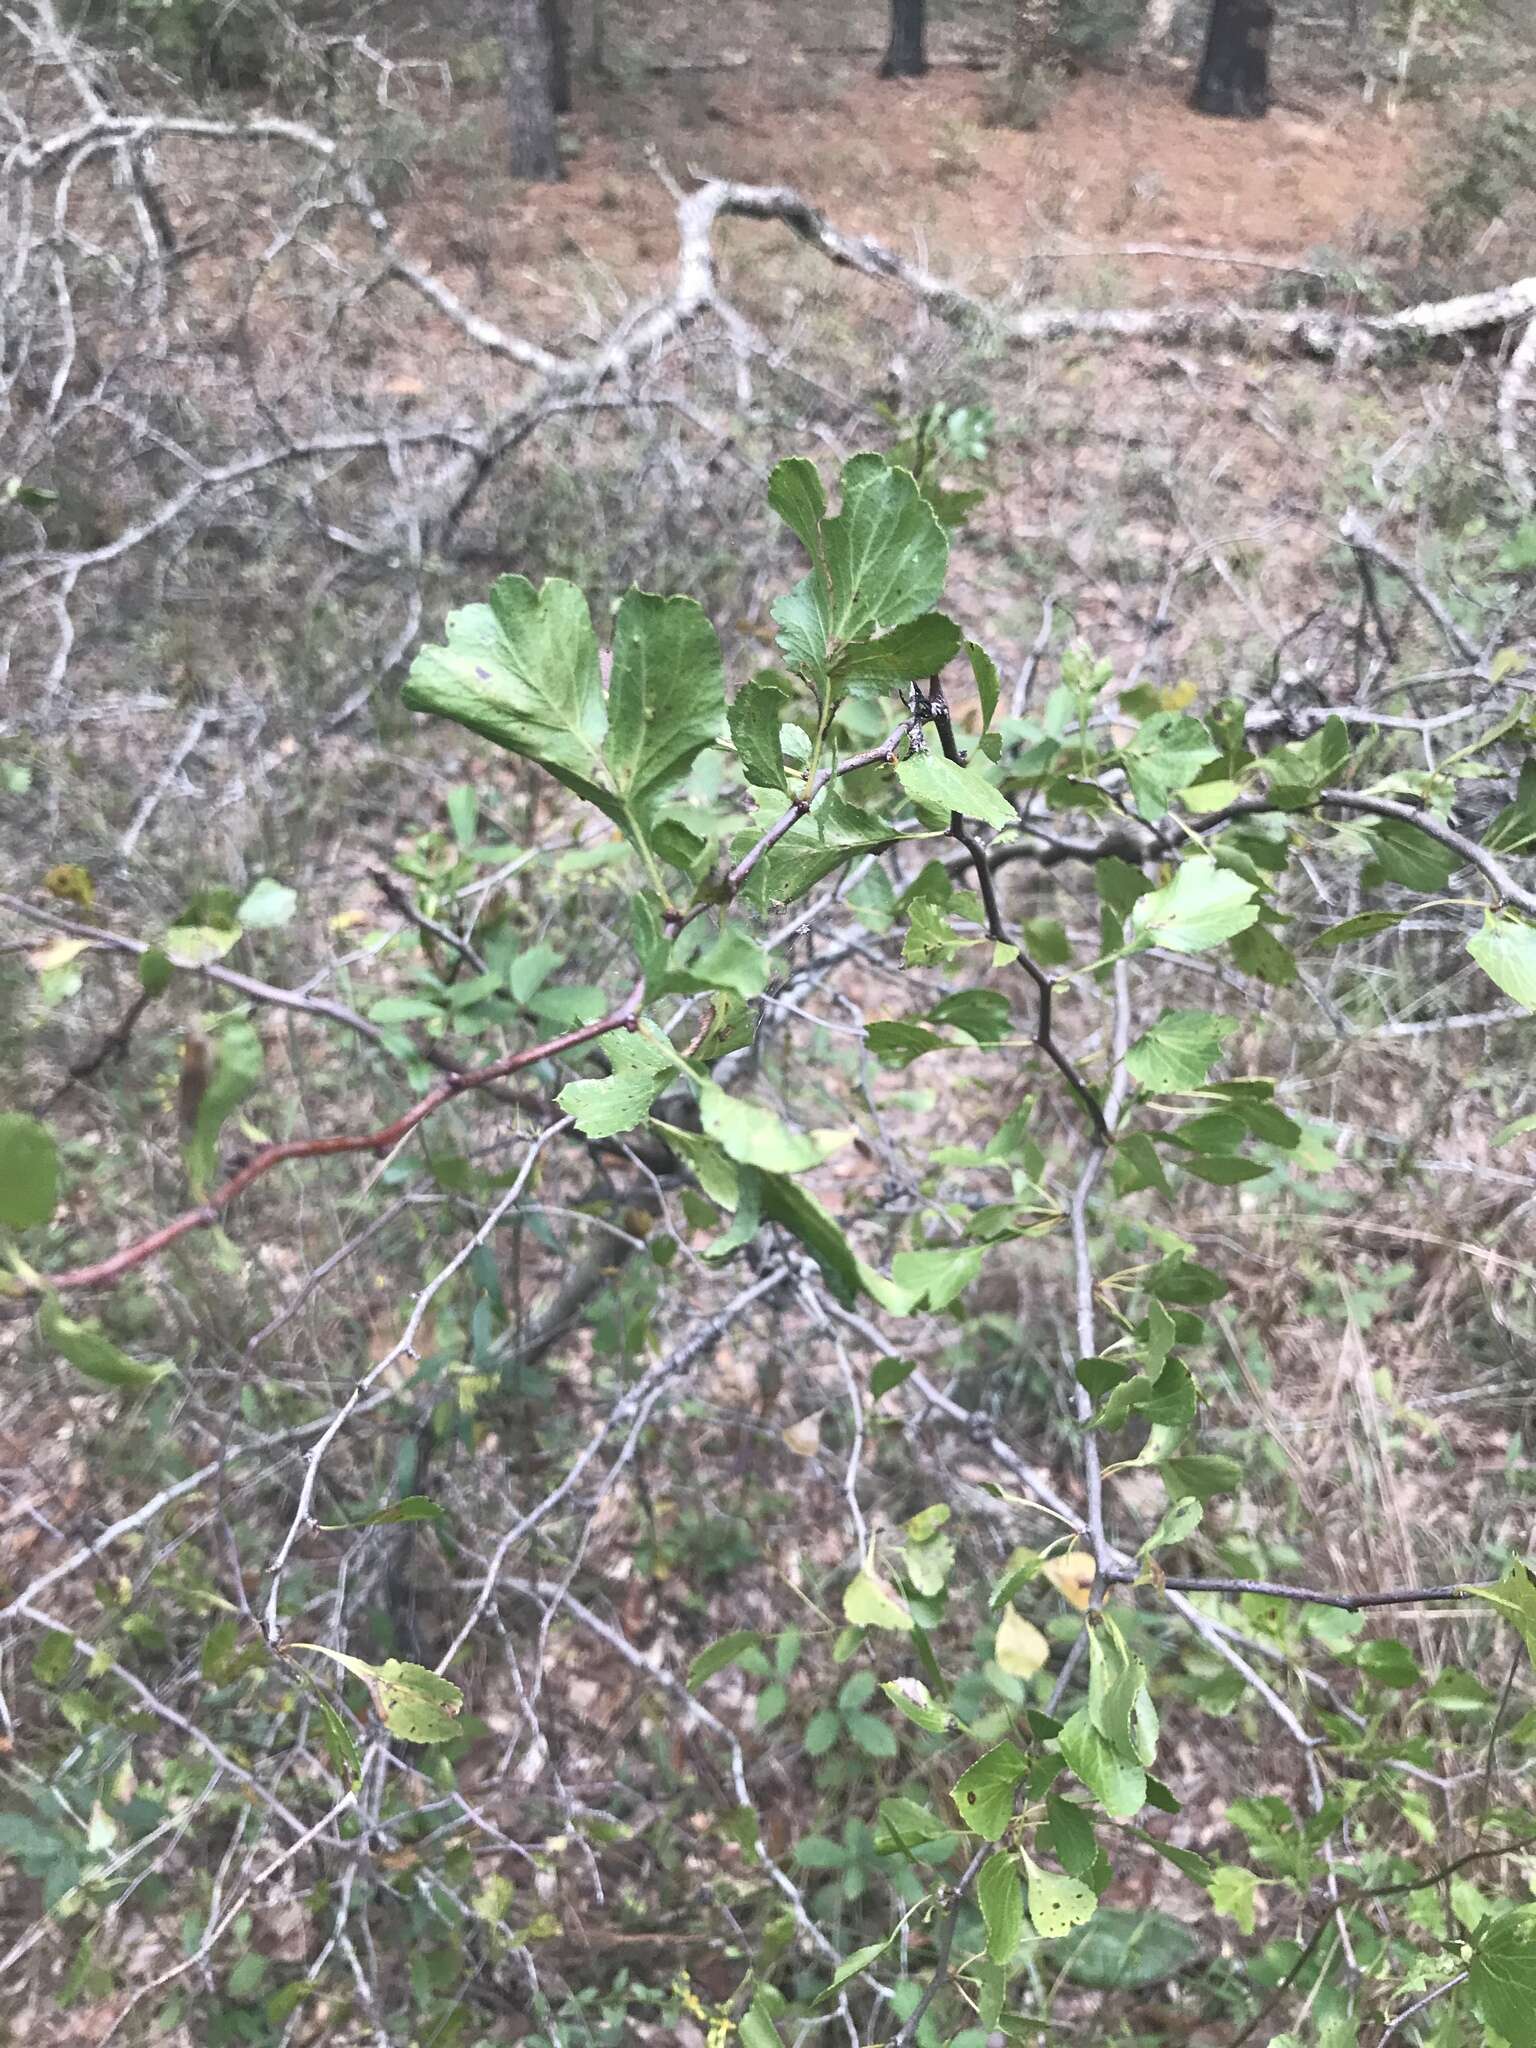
{"type": "Point", "coordinates": [1115, 163]}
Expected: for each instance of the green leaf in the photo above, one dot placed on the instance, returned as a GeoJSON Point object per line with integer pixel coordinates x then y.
{"type": "Point", "coordinates": [1046, 942]}
{"type": "Point", "coordinates": [1198, 909]}
{"type": "Point", "coordinates": [872, 1736]}
{"type": "Point", "coordinates": [1390, 1663]}
{"type": "Point", "coordinates": [928, 1565]}
{"type": "Point", "coordinates": [897, 1043]}
{"type": "Point", "coordinates": [1124, 1950]}
{"type": "Point", "coordinates": [920, 648]}
{"type": "Point", "coordinates": [462, 804]}
{"type": "Point", "coordinates": [1001, 1899]}
{"type": "Point", "coordinates": [1181, 1518]}
{"type": "Point", "coordinates": [341, 1745]}
{"type": "Point", "coordinates": [904, 1826]}
{"type": "Point", "coordinates": [29, 1171]}
{"type": "Point", "coordinates": [1167, 1400]}
{"type": "Point", "coordinates": [981, 1013]}
{"type": "Point", "coordinates": [946, 786]}
{"type": "Point", "coordinates": [754, 1136]}
{"type": "Point", "coordinates": [244, 1980]}
{"type": "Point", "coordinates": [523, 672]}
{"type": "Point", "coordinates": [267, 905]}
{"type": "Point", "coordinates": [1364, 925]}
{"type": "Point", "coordinates": [1501, 1975]}
{"type": "Point", "coordinates": [1456, 1692]}
{"type": "Point", "coordinates": [1514, 828]}
{"type": "Point", "coordinates": [911, 1698]}
{"type": "Point", "coordinates": [983, 1795]}
{"type": "Point", "coordinates": [666, 694]}
{"type": "Point", "coordinates": [237, 1070]}
{"type": "Point", "coordinates": [733, 961]}
{"type": "Point", "coordinates": [83, 1346]}
{"type": "Point", "coordinates": [724, 1651]}
{"type": "Point", "coordinates": [1258, 952]}
{"type": "Point", "coordinates": [1119, 1785]}
{"type": "Point", "coordinates": [1072, 1839]}
{"type": "Point", "coordinates": [795, 493]}
{"type": "Point", "coordinates": [1200, 1475]}
{"type": "Point", "coordinates": [1224, 1172]}
{"type": "Point", "coordinates": [1505, 949]}
{"type": "Point", "coordinates": [1180, 1049]}
{"type": "Point", "coordinates": [605, 1109]}
{"type": "Point", "coordinates": [414, 1508]}
{"type": "Point", "coordinates": [937, 1278]}
{"type": "Point", "coordinates": [1167, 752]}
{"type": "Point", "coordinates": [1181, 1280]}
{"type": "Point", "coordinates": [868, 1602]}
{"type": "Point", "coordinates": [194, 945]}
{"type": "Point", "coordinates": [1057, 1904]}
{"type": "Point", "coordinates": [1299, 772]}
{"type": "Point", "coordinates": [155, 972]}
{"type": "Point", "coordinates": [855, 1965]}
{"type": "Point", "coordinates": [54, 1656]}
{"type": "Point", "coordinates": [1515, 1598]}
{"type": "Point", "coordinates": [927, 1522]}
{"type": "Point", "coordinates": [756, 713]}
{"type": "Point", "coordinates": [888, 1374]}
{"type": "Point", "coordinates": [885, 552]}
{"type": "Point", "coordinates": [833, 834]}
{"type": "Point", "coordinates": [988, 687]}
{"type": "Point", "coordinates": [755, 2029]}
{"type": "Point", "coordinates": [1411, 857]}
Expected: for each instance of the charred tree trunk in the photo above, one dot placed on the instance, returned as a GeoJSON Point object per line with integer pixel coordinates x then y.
{"type": "Point", "coordinates": [1234, 71]}
{"type": "Point", "coordinates": [533, 144]}
{"type": "Point", "coordinates": [559, 56]}
{"type": "Point", "coordinates": [905, 56]}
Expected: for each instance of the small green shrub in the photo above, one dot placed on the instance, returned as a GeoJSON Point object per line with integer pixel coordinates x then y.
{"type": "Point", "coordinates": [1489, 173]}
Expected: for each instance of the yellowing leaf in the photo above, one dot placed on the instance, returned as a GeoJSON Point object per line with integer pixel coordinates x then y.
{"type": "Point", "coordinates": [1021, 1650]}
{"type": "Point", "coordinates": [869, 1603]}
{"type": "Point", "coordinates": [1072, 1575]}
{"type": "Point", "coordinates": [57, 953]}
{"type": "Point", "coordinates": [804, 1437]}
{"type": "Point", "coordinates": [71, 884]}
{"type": "Point", "coordinates": [412, 1702]}
{"type": "Point", "coordinates": [1057, 1904]}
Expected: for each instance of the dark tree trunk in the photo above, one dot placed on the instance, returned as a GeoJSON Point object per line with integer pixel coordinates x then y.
{"type": "Point", "coordinates": [1234, 71]}
{"type": "Point", "coordinates": [905, 56]}
{"type": "Point", "coordinates": [559, 56]}
{"type": "Point", "coordinates": [533, 145]}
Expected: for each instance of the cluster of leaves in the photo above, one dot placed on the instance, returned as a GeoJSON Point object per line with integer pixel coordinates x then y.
{"type": "Point", "coordinates": [845, 750]}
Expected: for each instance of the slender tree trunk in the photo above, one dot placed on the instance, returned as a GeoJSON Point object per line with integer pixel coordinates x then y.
{"type": "Point", "coordinates": [1036, 36]}
{"type": "Point", "coordinates": [1234, 71]}
{"type": "Point", "coordinates": [533, 146]}
{"type": "Point", "coordinates": [597, 47]}
{"type": "Point", "coordinates": [905, 56]}
{"type": "Point", "coordinates": [559, 56]}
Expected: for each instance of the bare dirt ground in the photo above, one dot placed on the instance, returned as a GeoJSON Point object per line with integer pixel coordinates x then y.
{"type": "Point", "coordinates": [1115, 161]}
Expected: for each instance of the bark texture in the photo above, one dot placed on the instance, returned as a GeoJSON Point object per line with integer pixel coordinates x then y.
{"type": "Point", "coordinates": [1234, 70]}
{"type": "Point", "coordinates": [533, 149]}
{"type": "Point", "coordinates": [906, 56]}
